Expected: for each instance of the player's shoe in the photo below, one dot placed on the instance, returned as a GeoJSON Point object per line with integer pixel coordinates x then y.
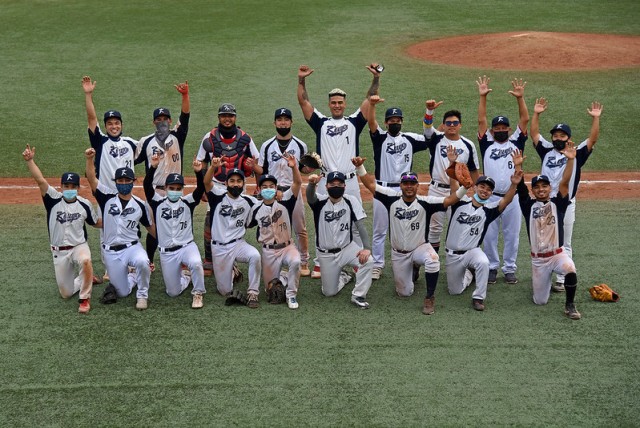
{"type": "Point", "coordinates": [292, 303]}
{"type": "Point", "coordinates": [557, 287]}
{"type": "Point", "coordinates": [141, 303]}
{"type": "Point", "coordinates": [96, 280]}
{"type": "Point", "coordinates": [376, 273]}
{"type": "Point", "coordinates": [510, 278]}
{"type": "Point", "coordinates": [429, 306]}
{"type": "Point", "coordinates": [253, 301]}
{"type": "Point", "coordinates": [152, 267]}
{"type": "Point", "coordinates": [416, 273]}
{"type": "Point", "coordinates": [468, 278]}
{"type": "Point", "coordinates": [185, 279]}
{"type": "Point", "coordinates": [493, 276]}
{"type": "Point", "coordinates": [304, 270]}
{"type": "Point", "coordinates": [84, 307]}
{"type": "Point", "coordinates": [360, 302]}
{"type": "Point", "coordinates": [343, 280]}
{"type": "Point", "coordinates": [197, 302]}
{"type": "Point", "coordinates": [316, 272]}
{"type": "Point", "coordinates": [207, 265]}
{"type": "Point", "coordinates": [571, 311]}
{"type": "Point", "coordinates": [105, 277]}
{"type": "Point", "coordinates": [478, 304]}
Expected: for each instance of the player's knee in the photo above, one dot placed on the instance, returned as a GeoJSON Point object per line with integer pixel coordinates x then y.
{"type": "Point", "coordinates": [570, 279]}
{"type": "Point", "coordinates": [403, 292]}
{"type": "Point", "coordinates": [539, 300]}
{"type": "Point", "coordinates": [431, 265]}
{"type": "Point", "coordinates": [65, 293]}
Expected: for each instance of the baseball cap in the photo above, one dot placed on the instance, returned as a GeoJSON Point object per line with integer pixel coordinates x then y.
{"type": "Point", "coordinates": [393, 112]}
{"type": "Point", "coordinates": [267, 177]}
{"type": "Point", "coordinates": [336, 175]}
{"type": "Point", "coordinates": [112, 114]}
{"type": "Point", "coordinates": [174, 179]}
{"type": "Point", "coordinates": [487, 180]}
{"type": "Point", "coordinates": [409, 176]}
{"type": "Point", "coordinates": [161, 111]}
{"type": "Point", "coordinates": [227, 108]}
{"type": "Point", "coordinates": [235, 171]}
{"type": "Point", "coordinates": [499, 120]}
{"type": "Point", "coordinates": [537, 178]}
{"type": "Point", "coordinates": [561, 127]}
{"type": "Point", "coordinates": [337, 91]}
{"type": "Point", "coordinates": [70, 177]}
{"type": "Point", "coordinates": [124, 172]}
{"type": "Point", "coordinates": [282, 112]}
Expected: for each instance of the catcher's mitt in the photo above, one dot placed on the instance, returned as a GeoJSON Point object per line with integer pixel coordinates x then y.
{"type": "Point", "coordinates": [238, 276]}
{"type": "Point", "coordinates": [236, 298]}
{"type": "Point", "coordinates": [110, 295]}
{"type": "Point", "coordinates": [311, 160]}
{"type": "Point", "coordinates": [460, 172]}
{"type": "Point", "coordinates": [603, 293]}
{"type": "Point", "coordinates": [276, 292]}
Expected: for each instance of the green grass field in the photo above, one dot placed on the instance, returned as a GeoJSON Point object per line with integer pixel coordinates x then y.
{"type": "Point", "coordinates": [328, 363]}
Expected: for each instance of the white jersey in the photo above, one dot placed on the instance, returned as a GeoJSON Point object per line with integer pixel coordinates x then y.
{"type": "Point", "coordinates": [274, 221]}
{"type": "Point", "coordinates": [408, 223]}
{"type": "Point", "coordinates": [229, 216]}
{"type": "Point", "coordinates": [393, 156]}
{"type": "Point", "coordinates": [111, 154]}
{"type": "Point", "coordinates": [335, 222]}
{"type": "Point", "coordinates": [66, 220]}
{"type": "Point", "coordinates": [496, 158]}
{"type": "Point", "coordinates": [121, 220]}
{"type": "Point", "coordinates": [554, 163]}
{"type": "Point", "coordinates": [468, 225]}
{"type": "Point", "coordinates": [273, 163]}
{"type": "Point", "coordinates": [439, 162]}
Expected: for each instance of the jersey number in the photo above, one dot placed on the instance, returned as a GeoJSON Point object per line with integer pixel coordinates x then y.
{"type": "Point", "coordinates": [183, 225]}
{"type": "Point", "coordinates": [474, 231]}
{"type": "Point", "coordinates": [175, 157]}
{"type": "Point", "coordinates": [344, 226]}
{"type": "Point", "coordinates": [132, 224]}
{"type": "Point", "coordinates": [240, 223]}
{"type": "Point", "coordinates": [415, 226]}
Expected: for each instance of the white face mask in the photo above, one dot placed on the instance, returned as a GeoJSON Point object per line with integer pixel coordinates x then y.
{"type": "Point", "coordinates": [174, 195]}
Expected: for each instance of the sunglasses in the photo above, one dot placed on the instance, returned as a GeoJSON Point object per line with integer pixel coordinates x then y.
{"type": "Point", "coordinates": [409, 177]}
{"type": "Point", "coordinates": [452, 122]}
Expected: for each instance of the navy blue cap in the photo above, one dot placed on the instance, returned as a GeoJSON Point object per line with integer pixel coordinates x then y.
{"type": "Point", "coordinates": [336, 175]}
{"type": "Point", "coordinates": [267, 177]}
{"type": "Point", "coordinates": [235, 171]}
{"type": "Point", "coordinates": [561, 127]}
{"type": "Point", "coordinates": [488, 180]}
{"type": "Point", "coordinates": [499, 120]}
{"type": "Point", "coordinates": [70, 177]}
{"type": "Point", "coordinates": [161, 111]}
{"type": "Point", "coordinates": [227, 108]}
{"type": "Point", "coordinates": [174, 179]}
{"type": "Point", "coordinates": [124, 172]}
{"type": "Point", "coordinates": [112, 114]}
{"type": "Point", "coordinates": [537, 178]}
{"type": "Point", "coordinates": [282, 112]}
{"type": "Point", "coordinates": [393, 112]}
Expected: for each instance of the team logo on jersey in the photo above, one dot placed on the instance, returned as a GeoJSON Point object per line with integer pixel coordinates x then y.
{"type": "Point", "coordinates": [269, 220]}
{"type": "Point", "coordinates": [553, 162]}
{"type": "Point", "coordinates": [63, 217]}
{"type": "Point", "coordinates": [114, 210]}
{"type": "Point", "coordinates": [330, 216]}
{"type": "Point", "coordinates": [275, 156]}
{"type": "Point", "coordinates": [404, 214]}
{"type": "Point", "coordinates": [500, 153]}
{"type": "Point", "coordinates": [332, 130]}
{"type": "Point", "coordinates": [156, 151]}
{"type": "Point", "coordinates": [228, 211]}
{"type": "Point", "coordinates": [167, 213]}
{"type": "Point", "coordinates": [443, 151]}
{"type": "Point", "coordinates": [465, 218]}
{"type": "Point", "coordinates": [127, 211]}
{"type": "Point", "coordinates": [542, 211]}
{"type": "Point", "coordinates": [393, 148]}
{"type": "Point", "coordinates": [118, 152]}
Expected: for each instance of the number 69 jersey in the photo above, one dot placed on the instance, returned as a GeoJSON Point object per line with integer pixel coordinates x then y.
{"type": "Point", "coordinates": [229, 217]}
{"type": "Point", "coordinates": [468, 225]}
{"type": "Point", "coordinates": [121, 219]}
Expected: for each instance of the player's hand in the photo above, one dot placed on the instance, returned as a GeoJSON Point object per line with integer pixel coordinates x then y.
{"type": "Point", "coordinates": [216, 162]}
{"type": "Point", "coordinates": [155, 160]}
{"type": "Point", "coordinates": [29, 153]}
{"type": "Point", "coordinates": [279, 195]}
{"type": "Point", "coordinates": [517, 176]}
{"type": "Point", "coordinates": [363, 256]}
{"type": "Point", "coordinates": [518, 87]}
{"type": "Point", "coordinates": [196, 165]}
{"type": "Point", "coordinates": [433, 104]}
{"type": "Point", "coordinates": [483, 85]}
{"type": "Point", "coordinates": [596, 109]}
{"type": "Point", "coordinates": [540, 105]}
{"type": "Point", "coordinates": [452, 153]}
{"type": "Point", "coordinates": [304, 71]}
{"type": "Point", "coordinates": [357, 161]}
{"type": "Point", "coordinates": [518, 157]}
{"type": "Point", "coordinates": [183, 88]}
{"type": "Point", "coordinates": [372, 68]}
{"type": "Point", "coordinates": [249, 163]}
{"type": "Point", "coordinates": [292, 162]}
{"type": "Point", "coordinates": [570, 150]}
{"type": "Point", "coordinates": [90, 153]}
{"type": "Point", "coordinates": [87, 85]}
{"type": "Point", "coordinates": [375, 99]}
{"type": "Point", "coordinates": [314, 179]}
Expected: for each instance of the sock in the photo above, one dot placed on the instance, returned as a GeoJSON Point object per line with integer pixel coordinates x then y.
{"type": "Point", "coordinates": [570, 285]}
{"type": "Point", "coordinates": [432, 281]}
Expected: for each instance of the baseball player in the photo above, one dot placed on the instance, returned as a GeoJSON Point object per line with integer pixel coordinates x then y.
{"type": "Point", "coordinates": [335, 215]}
{"type": "Point", "coordinates": [230, 212]}
{"type": "Point", "coordinates": [67, 214]}
{"type": "Point", "coordinates": [337, 137]}
{"type": "Point", "coordinates": [173, 219]}
{"type": "Point", "coordinates": [274, 219]}
{"type": "Point", "coordinates": [272, 161]}
{"type": "Point", "coordinates": [438, 142]}
{"type": "Point", "coordinates": [496, 145]}
{"type": "Point", "coordinates": [544, 218]}
{"type": "Point", "coordinates": [169, 144]}
{"type": "Point", "coordinates": [393, 152]}
{"type": "Point", "coordinates": [122, 215]}
{"type": "Point", "coordinates": [408, 215]}
{"type": "Point", "coordinates": [554, 163]}
{"type": "Point", "coordinates": [236, 149]}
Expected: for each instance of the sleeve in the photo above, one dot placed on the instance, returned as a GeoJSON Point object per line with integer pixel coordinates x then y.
{"type": "Point", "coordinates": [472, 163]}
{"type": "Point", "coordinates": [523, 193]}
{"type": "Point", "coordinates": [543, 147]}
{"type": "Point", "coordinates": [197, 194]}
{"type": "Point", "coordinates": [364, 235]}
{"type": "Point", "coordinates": [91, 216]}
{"type": "Point", "coordinates": [145, 219]}
{"type": "Point", "coordinates": [147, 184]}
{"type": "Point", "coordinates": [492, 213]}
{"type": "Point", "coordinates": [520, 138]}
{"type": "Point", "coordinates": [203, 155]}
{"type": "Point", "coordinates": [418, 142]}
{"type": "Point", "coordinates": [141, 152]}
{"type": "Point", "coordinates": [183, 128]}
{"type": "Point", "coordinates": [484, 143]}
{"type": "Point", "coordinates": [359, 121]}
{"type": "Point", "coordinates": [262, 159]}
{"type": "Point", "coordinates": [95, 138]}
{"type": "Point", "coordinates": [386, 195]}
{"type": "Point", "coordinates": [51, 198]}
{"type": "Point", "coordinates": [582, 154]}
{"type": "Point", "coordinates": [103, 194]}
{"type": "Point", "coordinates": [377, 138]}
{"type": "Point", "coordinates": [253, 149]}
{"type": "Point", "coordinates": [315, 121]}
{"type": "Point", "coordinates": [356, 206]}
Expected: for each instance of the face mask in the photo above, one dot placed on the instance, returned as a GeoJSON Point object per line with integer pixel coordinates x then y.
{"type": "Point", "coordinates": [162, 130]}
{"type": "Point", "coordinates": [479, 199]}
{"type": "Point", "coordinates": [174, 195]}
{"type": "Point", "coordinates": [500, 136]}
{"type": "Point", "coordinates": [69, 194]}
{"type": "Point", "coordinates": [559, 145]}
{"type": "Point", "coordinates": [394, 129]}
{"type": "Point", "coordinates": [283, 131]}
{"type": "Point", "coordinates": [268, 193]}
{"type": "Point", "coordinates": [235, 191]}
{"type": "Point", "coordinates": [124, 189]}
{"type": "Point", "coordinates": [335, 192]}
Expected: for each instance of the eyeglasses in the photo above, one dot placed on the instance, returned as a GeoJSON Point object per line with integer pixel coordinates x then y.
{"type": "Point", "coordinates": [452, 122]}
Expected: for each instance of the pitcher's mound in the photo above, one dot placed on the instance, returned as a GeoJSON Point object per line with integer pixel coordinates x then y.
{"type": "Point", "coordinates": [530, 50]}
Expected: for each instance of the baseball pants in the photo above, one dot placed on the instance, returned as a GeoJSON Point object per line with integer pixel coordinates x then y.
{"type": "Point", "coordinates": [456, 266]}
{"type": "Point", "coordinates": [300, 229]}
{"type": "Point", "coordinates": [437, 219]}
{"type": "Point", "coordinates": [569, 221]}
{"type": "Point", "coordinates": [63, 264]}
{"type": "Point", "coordinates": [172, 262]}
{"type": "Point", "coordinates": [224, 256]}
{"type": "Point", "coordinates": [331, 265]}
{"type": "Point", "coordinates": [402, 265]}
{"type": "Point", "coordinates": [510, 221]}
{"type": "Point", "coordinates": [542, 270]}
{"type": "Point", "coordinates": [117, 264]}
{"type": "Point", "coordinates": [272, 262]}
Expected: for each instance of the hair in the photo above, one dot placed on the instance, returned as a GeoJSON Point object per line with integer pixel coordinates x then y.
{"type": "Point", "coordinates": [450, 113]}
{"type": "Point", "coordinates": [337, 92]}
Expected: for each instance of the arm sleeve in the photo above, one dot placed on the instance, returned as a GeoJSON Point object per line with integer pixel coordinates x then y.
{"type": "Point", "coordinates": [183, 128]}
{"type": "Point", "coordinates": [147, 184]}
{"type": "Point", "coordinates": [364, 235]}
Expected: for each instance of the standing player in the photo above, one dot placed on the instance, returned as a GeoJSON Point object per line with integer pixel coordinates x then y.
{"type": "Point", "coordinates": [335, 215]}
{"type": "Point", "coordinates": [438, 143]}
{"type": "Point", "coordinates": [274, 219]}
{"type": "Point", "coordinates": [496, 146]}
{"type": "Point", "coordinates": [173, 219]}
{"type": "Point", "coordinates": [544, 217]}
{"type": "Point", "coordinates": [122, 215]}
{"type": "Point", "coordinates": [393, 152]}
{"type": "Point", "coordinates": [554, 163]}
{"type": "Point", "coordinates": [67, 214]}
{"type": "Point", "coordinates": [272, 161]}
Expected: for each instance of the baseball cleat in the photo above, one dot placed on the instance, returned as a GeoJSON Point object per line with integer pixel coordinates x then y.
{"type": "Point", "coordinates": [343, 280]}
{"type": "Point", "coordinates": [197, 302]}
{"type": "Point", "coordinates": [510, 278]}
{"type": "Point", "coordinates": [429, 306]}
{"type": "Point", "coordinates": [376, 273]}
{"type": "Point", "coordinates": [97, 280]}
{"type": "Point", "coordinates": [141, 304]}
{"type": "Point", "coordinates": [292, 303]}
{"type": "Point", "coordinates": [304, 270]}
{"type": "Point", "coordinates": [253, 301]}
{"type": "Point", "coordinates": [571, 311]}
{"type": "Point", "coordinates": [360, 302]}
{"type": "Point", "coordinates": [557, 287]}
{"type": "Point", "coordinates": [478, 304]}
{"type": "Point", "coordinates": [315, 274]}
{"type": "Point", "coordinates": [468, 278]}
{"type": "Point", "coordinates": [84, 307]}
{"type": "Point", "coordinates": [493, 276]}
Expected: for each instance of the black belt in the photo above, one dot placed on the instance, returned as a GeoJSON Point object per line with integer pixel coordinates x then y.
{"type": "Point", "coordinates": [456, 252]}
{"type": "Point", "coordinates": [276, 246]}
{"type": "Point", "coordinates": [502, 195]}
{"type": "Point", "coordinates": [160, 187]}
{"type": "Point", "coordinates": [330, 251]}
{"type": "Point", "coordinates": [119, 247]}
{"type": "Point", "coordinates": [441, 185]}
{"type": "Point", "coordinates": [224, 243]}
{"type": "Point", "coordinates": [64, 248]}
{"type": "Point", "coordinates": [387, 184]}
{"type": "Point", "coordinates": [172, 249]}
{"type": "Point", "coordinates": [284, 188]}
{"type": "Point", "coordinates": [402, 251]}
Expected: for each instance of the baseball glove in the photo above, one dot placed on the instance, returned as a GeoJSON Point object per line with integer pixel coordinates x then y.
{"type": "Point", "coordinates": [238, 276]}
{"type": "Point", "coordinates": [460, 172]}
{"type": "Point", "coordinates": [110, 295]}
{"type": "Point", "coordinates": [236, 298]}
{"type": "Point", "coordinates": [276, 292]}
{"type": "Point", "coordinates": [603, 293]}
{"type": "Point", "coordinates": [311, 160]}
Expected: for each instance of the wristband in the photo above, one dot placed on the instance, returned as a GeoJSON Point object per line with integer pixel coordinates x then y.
{"type": "Point", "coordinates": [429, 113]}
{"type": "Point", "coordinates": [361, 171]}
{"type": "Point", "coordinates": [461, 192]}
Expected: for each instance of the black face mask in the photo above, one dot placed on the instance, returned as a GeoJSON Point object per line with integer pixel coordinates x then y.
{"type": "Point", "coordinates": [335, 192]}
{"type": "Point", "coordinates": [559, 145]}
{"type": "Point", "coordinates": [394, 128]}
{"type": "Point", "coordinates": [235, 191]}
{"type": "Point", "coordinates": [500, 136]}
{"type": "Point", "coordinates": [283, 131]}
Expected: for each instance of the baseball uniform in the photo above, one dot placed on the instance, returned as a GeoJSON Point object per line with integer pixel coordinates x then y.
{"type": "Point", "coordinates": [111, 154]}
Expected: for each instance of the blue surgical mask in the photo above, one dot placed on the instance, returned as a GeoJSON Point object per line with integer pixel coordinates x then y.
{"type": "Point", "coordinates": [174, 195]}
{"type": "Point", "coordinates": [479, 199]}
{"type": "Point", "coordinates": [124, 189]}
{"type": "Point", "coordinates": [268, 193]}
{"type": "Point", "coordinates": [69, 194]}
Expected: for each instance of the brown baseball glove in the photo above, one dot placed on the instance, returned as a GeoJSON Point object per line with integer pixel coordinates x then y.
{"type": "Point", "coordinates": [603, 293]}
{"type": "Point", "coordinates": [276, 293]}
{"type": "Point", "coordinates": [460, 172]}
{"type": "Point", "coordinates": [311, 160]}
{"type": "Point", "coordinates": [238, 276]}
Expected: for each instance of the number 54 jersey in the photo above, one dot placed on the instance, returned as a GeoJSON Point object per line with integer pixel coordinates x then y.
{"type": "Point", "coordinates": [468, 225]}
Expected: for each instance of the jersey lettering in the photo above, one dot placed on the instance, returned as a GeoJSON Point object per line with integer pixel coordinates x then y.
{"type": "Point", "coordinates": [553, 162]}
{"type": "Point", "coordinates": [227, 210]}
{"type": "Point", "coordinates": [167, 213]}
{"type": "Point", "coordinates": [404, 214]}
{"type": "Point", "coordinates": [500, 153]}
{"type": "Point", "coordinates": [332, 130]}
{"type": "Point", "coordinates": [443, 151]}
{"type": "Point", "coordinates": [465, 218]}
{"type": "Point", "coordinates": [541, 211]}
{"type": "Point", "coordinates": [118, 152]}
{"type": "Point", "coordinates": [392, 149]}
{"type": "Point", "coordinates": [330, 216]}
{"type": "Point", "coordinates": [63, 217]}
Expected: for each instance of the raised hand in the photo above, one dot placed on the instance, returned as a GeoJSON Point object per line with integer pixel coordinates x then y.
{"type": "Point", "coordinates": [196, 164]}
{"type": "Point", "coordinates": [596, 109]}
{"type": "Point", "coordinates": [372, 68]}
{"type": "Point", "coordinates": [183, 88]}
{"type": "Point", "coordinates": [375, 99]}
{"type": "Point", "coordinates": [292, 162]}
{"type": "Point", "coordinates": [155, 160]}
{"type": "Point", "coordinates": [570, 150]}
{"type": "Point", "coordinates": [29, 153]}
{"type": "Point", "coordinates": [314, 179]}
{"type": "Point", "coordinates": [452, 153]}
{"type": "Point", "coordinates": [518, 88]}
{"type": "Point", "coordinates": [304, 71]}
{"type": "Point", "coordinates": [249, 163]}
{"type": "Point", "coordinates": [357, 161]}
{"type": "Point", "coordinates": [216, 162]}
{"type": "Point", "coordinates": [433, 104]}
{"type": "Point", "coordinates": [540, 105]}
{"type": "Point", "coordinates": [483, 85]}
{"type": "Point", "coordinates": [517, 176]}
{"type": "Point", "coordinates": [518, 157]}
{"type": "Point", "coordinates": [87, 85]}
{"type": "Point", "coordinates": [90, 153]}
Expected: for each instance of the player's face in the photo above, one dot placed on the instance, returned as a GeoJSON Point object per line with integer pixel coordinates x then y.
{"type": "Point", "coordinates": [337, 104]}
{"type": "Point", "coordinates": [452, 127]}
{"type": "Point", "coordinates": [70, 186]}
{"type": "Point", "coordinates": [175, 187]}
{"type": "Point", "coordinates": [484, 190]}
{"type": "Point", "coordinates": [268, 185]}
{"type": "Point", "coordinates": [114, 127]}
{"type": "Point", "coordinates": [227, 120]}
{"type": "Point", "coordinates": [161, 118]}
{"type": "Point", "coordinates": [541, 190]}
{"type": "Point", "coordinates": [283, 122]}
{"type": "Point", "coordinates": [123, 180]}
{"type": "Point", "coordinates": [235, 181]}
{"type": "Point", "coordinates": [409, 189]}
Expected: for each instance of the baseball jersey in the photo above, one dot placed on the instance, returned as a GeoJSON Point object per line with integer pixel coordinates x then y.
{"type": "Point", "coordinates": [544, 220]}
{"type": "Point", "coordinates": [497, 162]}
{"type": "Point", "coordinates": [121, 219]}
{"type": "Point", "coordinates": [172, 149]}
{"type": "Point", "coordinates": [66, 220]}
{"type": "Point", "coordinates": [554, 162]}
{"type": "Point", "coordinates": [437, 144]}
{"type": "Point", "coordinates": [111, 154]}
{"type": "Point", "coordinates": [273, 163]}
{"type": "Point", "coordinates": [334, 222]}
{"type": "Point", "coordinates": [468, 225]}
{"type": "Point", "coordinates": [229, 217]}
{"type": "Point", "coordinates": [274, 221]}
{"type": "Point", "coordinates": [408, 222]}
{"type": "Point", "coordinates": [337, 140]}
{"type": "Point", "coordinates": [394, 155]}
{"type": "Point", "coordinates": [235, 150]}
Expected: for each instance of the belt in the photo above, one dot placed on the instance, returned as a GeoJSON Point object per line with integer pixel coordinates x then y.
{"type": "Point", "coordinates": [441, 185]}
{"type": "Point", "coordinates": [63, 248]}
{"type": "Point", "coordinates": [284, 188]}
{"type": "Point", "coordinates": [502, 195]}
{"type": "Point", "coordinates": [330, 251]}
{"type": "Point", "coordinates": [276, 246]}
{"type": "Point", "coordinates": [224, 243]}
{"type": "Point", "coordinates": [119, 247]}
{"type": "Point", "coordinates": [160, 187]}
{"type": "Point", "coordinates": [387, 184]}
{"type": "Point", "coordinates": [172, 249]}
{"type": "Point", "coordinates": [456, 252]}
{"type": "Point", "coordinates": [402, 251]}
{"type": "Point", "coordinates": [549, 254]}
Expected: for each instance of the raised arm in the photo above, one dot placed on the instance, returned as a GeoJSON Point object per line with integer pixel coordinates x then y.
{"type": "Point", "coordinates": [368, 180]}
{"type": "Point", "coordinates": [303, 97]}
{"type": "Point", "coordinates": [371, 118]}
{"type": "Point", "coordinates": [373, 89]}
{"type": "Point", "coordinates": [88, 87]}
{"type": "Point", "coordinates": [427, 122]}
{"type": "Point", "coordinates": [508, 197]}
{"type": "Point", "coordinates": [28, 155]}
{"type": "Point", "coordinates": [147, 184]}
{"type": "Point", "coordinates": [208, 177]}
{"type": "Point", "coordinates": [292, 163]}
{"type": "Point", "coordinates": [311, 189]}
{"type": "Point", "coordinates": [539, 107]}
{"type": "Point", "coordinates": [595, 111]}
{"type": "Point", "coordinates": [183, 88]}
{"type": "Point", "coordinates": [483, 91]}
{"type": "Point", "coordinates": [570, 153]}
{"type": "Point", "coordinates": [518, 92]}
{"type": "Point", "coordinates": [90, 169]}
